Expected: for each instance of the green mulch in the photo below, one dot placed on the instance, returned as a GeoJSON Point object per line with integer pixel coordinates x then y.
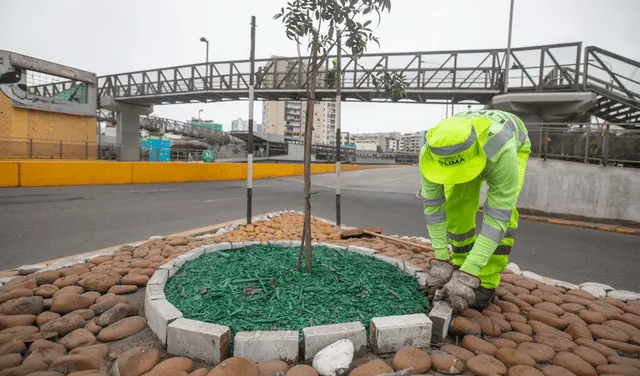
{"type": "Point", "coordinates": [259, 288]}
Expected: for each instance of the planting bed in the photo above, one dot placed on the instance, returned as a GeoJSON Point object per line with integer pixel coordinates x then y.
{"type": "Point", "coordinates": [259, 288]}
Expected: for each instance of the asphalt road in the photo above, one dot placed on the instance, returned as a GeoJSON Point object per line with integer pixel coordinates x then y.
{"type": "Point", "coordinates": [39, 224]}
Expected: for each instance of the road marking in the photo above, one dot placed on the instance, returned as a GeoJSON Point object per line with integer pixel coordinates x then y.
{"type": "Point", "coordinates": [224, 199]}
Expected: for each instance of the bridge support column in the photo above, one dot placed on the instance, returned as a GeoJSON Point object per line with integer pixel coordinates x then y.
{"type": "Point", "coordinates": [546, 107]}
{"type": "Point", "coordinates": [127, 126]}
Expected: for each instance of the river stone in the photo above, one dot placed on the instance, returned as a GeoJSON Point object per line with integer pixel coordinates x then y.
{"type": "Point", "coordinates": [74, 363]}
{"type": "Point", "coordinates": [578, 331]}
{"type": "Point", "coordinates": [556, 371]}
{"type": "Point", "coordinates": [93, 295]}
{"type": "Point", "coordinates": [488, 327]}
{"type": "Point", "coordinates": [15, 294]}
{"type": "Point", "coordinates": [68, 280]}
{"type": "Point", "coordinates": [547, 318]}
{"type": "Point", "coordinates": [139, 280]}
{"type": "Point", "coordinates": [94, 351]}
{"type": "Point", "coordinates": [85, 313]}
{"type": "Point", "coordinates": [123, 289]}
{"type": "Point", "coordinates": [539, 327]}
{"type": "Point", "coordinates": [539, 352]}
{"type": "Point", "coordinates": [618, 369]}
{"type": "Point", "coordinates": [623, 326]}
{"type": "Point", "coordinates": [513, 357]}
{"type": "Point", "coordinates": [64, 325]}
{"type": "Point", "coordinates": [478, 346]}
{"type": "Point", "coordinates": [299, 370]}
{"type": "Point", "coordinates": [521, 370]}
{"type": "Point", "coordinates": [271, 367]}
{"type": "Point", "coordinates": [457, 351]}
{"type": "Point", "coordinates": [485, 365]}
{"type": "Point", "coordinates": [602, 349]}
{"type": "Point", "coordinates": [16, 320]}
{"type": "Point", "coordinates": [572, 318]}
{"type": "Point", "coordinates": [235, 366]}
{"type": "Point", "coordinates": [29, 269]}
{"type": "Point", "coordinates": [20, 283]}
{"type": "Point", "coordinates": [591, 317]}
{"type": "Point", "coordinates": [27, 368]}
{"type": "Point", "coordinates": [100, 283]}
{"type": "Point", "coordinates": [521, 328]}
{"type": "Point", "coordinates": [93, 327]}
{"type": "Point", "coordinates": [66, 303]}
{"type": "Point", "coordinates": [137, 361]}
{"type": "Point", "coordinates": [607, 332]}
{"type": "Point", "coordinates": [514, 317]}
{"type": "Point", "coordinates": [549, 307]}
{"type": "Point", "coordinates": [463, 325]}
{"type": "Point", "coordinates": [181, 364]}
{"type": "Point", "coordinates": [10, 360]}
{"type": "Point", "coordinates": [502, 342]}
{"type": "Point", "coordinates": [46, 291]}
{"type": "Point", "coordinates": [69, 290]}
{"type": "Point", "coordinates": [78, 338]}
{"type": "Point", "coordinates": [622, 347]}
{"type": "Point", "coordinates": [122, 329]}
{"type": "Point", "coordinates": [447, 364]}
{"type": "Point", "coordinates": [14, 346]}
{"type": "Point", "coordinates": [31, 305]}
{"type": "Point", "coordinates": [50, 336]}
{"type": "Point", "coordinates": [46, 354]}
{"type": "Point", "coordinates": [411, 357]}
{"type": "Point", "coordinates": [47, 277]}
{"type": "Point", "coordinates": [555, 341]}
{"type": "Point", "coordinates": [45, 317]}
{"type": "Point", "coordinates": [517, 337]}
{"type": "Point", "coordinates": [106, 302]}
{"type": "Point", "coordinates": [574, 363]}
{"type": "Point", "coordinates": [116, 313]}
{"type": "Point", "coordinates": [374, 367]}
{"type": "Point", "coordinates": [590, 356]}
{"type": "Point", "coordinates": [21, 332]}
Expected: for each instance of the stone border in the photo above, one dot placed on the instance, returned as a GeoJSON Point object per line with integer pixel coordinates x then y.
{"type": "Point", "coordinates": [388, 334]}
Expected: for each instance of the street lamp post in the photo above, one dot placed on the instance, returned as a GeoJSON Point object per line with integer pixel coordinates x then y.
{"type": "Point", "coordinates": [203, 39]}
{"type": "Point", "coordinates": [508, 57]}
{"type": "Point", "coordinates": [200, 117]}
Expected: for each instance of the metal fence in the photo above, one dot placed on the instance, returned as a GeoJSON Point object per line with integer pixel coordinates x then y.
{"type": "Point", "coordinates": [38, 148]}
{"type": "Point", "coordinates": [585, 143]}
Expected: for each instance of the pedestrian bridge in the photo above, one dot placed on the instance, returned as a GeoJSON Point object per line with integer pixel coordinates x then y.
{"type": "Point", "coordinates": [461, 76]}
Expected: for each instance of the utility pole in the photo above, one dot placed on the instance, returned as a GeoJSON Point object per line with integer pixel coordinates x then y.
{"type": "Point", "coordinates": [507, 59]}
{"type": "Point", "coordinates": [252, 58]}
{"type": "Point", "coordinates": [203, 39]}
{"type": "Point", "coordinates": [338, 80]}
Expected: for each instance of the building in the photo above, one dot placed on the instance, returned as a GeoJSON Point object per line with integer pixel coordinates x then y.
{"type": "Point", "coordinates": [288, 118]}
{"type": "Point", "coordinates": [411, 142]}
{"type": "Point", "coordinates": [387, 141]}
{"type": "Point", "coordinates": [241, 125]}
{"type": "Point", "coordinates": [367, 145]}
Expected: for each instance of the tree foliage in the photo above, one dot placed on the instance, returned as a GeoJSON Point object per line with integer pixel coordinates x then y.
{"type": "Point", "coordinates": [318, 25]}
{"type": "Point", "coordinates": [218, 140]}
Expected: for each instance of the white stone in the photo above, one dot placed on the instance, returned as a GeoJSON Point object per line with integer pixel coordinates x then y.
{"type": "Point", "coordinates": [595, 291]}
{"type": "Point", "coordinates": [361, 250]}
{"type": "Point", "coordinates": [217, 247]}
{"type": "Point", "coordinates": [597, 285]}
{"type": "Point", "coordinates": [262, 346]}
{"type": "Point", "coordinates": [280, 243]}
{"type": "Point", "coordinates": [160, 313]}
{"type": "Point", "coordinates": [317, 338]}
{"type": "Point", "coordinates": [390, 333]}
{"type": "Point", "coordinates": [514, 268]}
{"type": "Point", "coordinates": [199, 340]}
{"type": "Point", "coordinates": [440, 315]}
{"type": "Point", "coordinates": [624, 295]}
{"type": "Point", "coordinates": [336, 356]}
{"type": "Point", "coordinates": [564, 284]}
{"type": "Point", "coordinates": [236, 245]}
{"type": "Point", "coordinates": [156, 237]}
{"type": "Point", "coordinates": [154, 292]}
{"type": "Point", "coordinates": [389, 260]}
{"type": "Point", "coordinates": [192, 255]}
{"type": "Point", "coordinates": [160, 277]}
{"type": "Point", "coordinates": [221, 231]}
{"type": "Point", "coordinates": [29, 269]}
{"type": "Point", "coordinates": [422, 278]}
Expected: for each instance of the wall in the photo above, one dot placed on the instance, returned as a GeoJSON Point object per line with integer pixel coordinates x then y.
{"type": "Point", "coordinates": [59, 173]}
{"type": "Point", "coordinates": [571, 188]}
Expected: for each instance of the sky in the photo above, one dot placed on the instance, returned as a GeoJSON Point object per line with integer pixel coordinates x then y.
{"type": "Point", "coordinates": [118, 36]}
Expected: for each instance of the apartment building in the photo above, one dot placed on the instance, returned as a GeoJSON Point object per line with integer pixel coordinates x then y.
{"type": "Point", "coordinates": [241, 125]}
{"type": "Point", "coordinates": [288, 118]}
{"type": "Point", "coordinates": [411, 142]}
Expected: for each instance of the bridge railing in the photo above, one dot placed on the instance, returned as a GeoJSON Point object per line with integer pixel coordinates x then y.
{"type": "Point", "coordinates": [439, 71]}
{"type": "Point", "coordinates": [584, 143]}
{"type": "Point", "coordinates": [613, 74]}
{"type": "Point", "coordinates": [40, 148]}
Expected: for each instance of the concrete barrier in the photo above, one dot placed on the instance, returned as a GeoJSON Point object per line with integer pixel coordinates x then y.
{"type": "Point", "coordinates": [585, 190]}
{"type": "Point", "coordinates": [60, 173]}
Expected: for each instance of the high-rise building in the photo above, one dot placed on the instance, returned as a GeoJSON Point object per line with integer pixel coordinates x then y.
{"type": "Point", "coordinates": [241, 125]}
{"type": "Point", "coordinates": [288, 118]}
{"type": "Point", "coordinates": [411, 142]}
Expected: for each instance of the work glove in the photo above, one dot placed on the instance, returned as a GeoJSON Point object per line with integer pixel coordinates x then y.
{"type": "Point", "coordinates": [459, 291]}
{"type": "Point", "coordinates": [439, 274]}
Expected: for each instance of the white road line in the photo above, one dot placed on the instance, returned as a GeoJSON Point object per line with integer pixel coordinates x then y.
{"type": "Point", "coordinates": [225, 199]}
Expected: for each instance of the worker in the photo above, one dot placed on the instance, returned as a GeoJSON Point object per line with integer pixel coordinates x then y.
{"type": "Point", "coordinates": [459, 154]}
{"type": "Point", "coordinates": [332, 77]}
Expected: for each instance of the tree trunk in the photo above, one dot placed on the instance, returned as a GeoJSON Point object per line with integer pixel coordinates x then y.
{"type": "Point", "coordinates": [308, 139]}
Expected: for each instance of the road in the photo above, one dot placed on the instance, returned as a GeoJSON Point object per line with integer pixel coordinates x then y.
{"type": "Point", "coordinates": [45, 223]}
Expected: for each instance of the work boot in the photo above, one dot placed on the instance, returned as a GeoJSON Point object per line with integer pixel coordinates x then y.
{"type": "Point", "coordinates": [484, 297]}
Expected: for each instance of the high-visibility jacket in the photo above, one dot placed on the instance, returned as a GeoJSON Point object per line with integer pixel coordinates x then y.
{"type": "Point", "coordinates": [503, 143]}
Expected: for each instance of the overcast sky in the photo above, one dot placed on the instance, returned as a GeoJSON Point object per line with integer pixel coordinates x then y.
{"type": "Point", "coordinates": [117, 36]}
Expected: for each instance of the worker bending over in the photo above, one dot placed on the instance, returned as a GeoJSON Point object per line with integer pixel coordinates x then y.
{"type": "Point", "coordinates": [459, 154]}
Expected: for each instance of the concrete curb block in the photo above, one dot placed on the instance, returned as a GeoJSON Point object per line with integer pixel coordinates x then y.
{"type": "Point", "coordinates": [391, 333]}
{"type": "Point", "coordinates": [263, 346]}
{"type": "Point", "coordinates": [317, 338]}
{"type": "Point", "coordinates": [579, 224]}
